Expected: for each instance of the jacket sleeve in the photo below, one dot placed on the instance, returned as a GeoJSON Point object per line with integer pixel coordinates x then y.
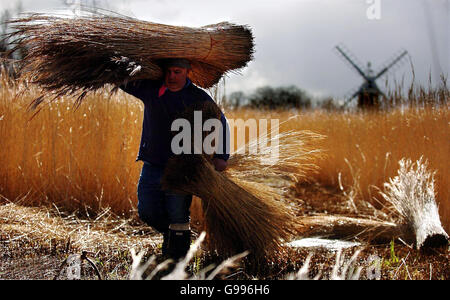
{"type": "Point", "coordinates": [224, 140]}
{"type": "Point", "coordinates": [140, 89]}
{"type": "Point", "coordinates": [224, 137]}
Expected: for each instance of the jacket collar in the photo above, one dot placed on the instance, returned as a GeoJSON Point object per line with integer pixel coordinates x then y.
{"type": "Point", "coordinates": [163, 89]}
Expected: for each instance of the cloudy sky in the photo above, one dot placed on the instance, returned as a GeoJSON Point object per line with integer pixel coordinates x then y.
{"type": "Point", "coordinates": [295, 39]}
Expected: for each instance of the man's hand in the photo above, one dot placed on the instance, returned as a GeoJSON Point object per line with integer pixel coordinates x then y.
{"type": "Point", "coordinates": [219, 164]}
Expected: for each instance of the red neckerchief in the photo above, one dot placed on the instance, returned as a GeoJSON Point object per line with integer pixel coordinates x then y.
{"type": "Point", "coordinates": [162, 90]}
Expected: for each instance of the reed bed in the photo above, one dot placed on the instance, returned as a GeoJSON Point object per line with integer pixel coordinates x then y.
{"type": "Point", "coordinates": [80, 160]}
{"type": "Point", "coordinates": [84, 160]}
{"type": "Point", "coordinates": [77, 55]}
{"type": "Point", "coordinates": [361, 150]}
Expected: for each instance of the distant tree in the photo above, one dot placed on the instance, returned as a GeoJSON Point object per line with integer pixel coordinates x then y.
{"type": "Point", "coordinates": [236, 99]}
{"type": "Point", "coordinates": [329, 104]}
{"type": "Point", "coordinates": [263, 97]}
{"type": "Point", "coordinates": [281, 97]}
{"type": "Point", "coordinates": [4, 18]}
{"type": "Point", "coordinates": [292, 96]}
{"type": "Point", "coordinates": [7, 58]}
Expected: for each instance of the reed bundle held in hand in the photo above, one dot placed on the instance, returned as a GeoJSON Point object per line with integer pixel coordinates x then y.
{"type": "Point", "coordinates": [240, 215]}
{"type": "Point", "coordinates": [74, 56]}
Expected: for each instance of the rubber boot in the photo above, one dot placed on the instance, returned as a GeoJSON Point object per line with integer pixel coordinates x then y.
{"type": "Point", "coordinates": [179, 243]}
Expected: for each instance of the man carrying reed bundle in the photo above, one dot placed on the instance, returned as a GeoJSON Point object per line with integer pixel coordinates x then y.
{"type": "Point", "coordinates": [165, 210]}
{"type": "Point", "coordinates": [77, 56]}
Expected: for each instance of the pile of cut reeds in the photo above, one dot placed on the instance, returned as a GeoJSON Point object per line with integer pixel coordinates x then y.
{"type": "Point", "coordinates": [77, 55]}
{"type": "Point", "coordinates": [412, 195]}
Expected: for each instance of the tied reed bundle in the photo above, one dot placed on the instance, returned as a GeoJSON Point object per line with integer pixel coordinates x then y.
{"type": "Point", "coordinates": [74, 56]}
{"type": "Point", "coordinates": [412, 195]}
{"type": "Point", "coordinates": [240, 215]}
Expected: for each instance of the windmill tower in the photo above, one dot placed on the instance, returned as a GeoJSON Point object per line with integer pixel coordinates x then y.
{"type": "Point", "coordinates": [368, 93]}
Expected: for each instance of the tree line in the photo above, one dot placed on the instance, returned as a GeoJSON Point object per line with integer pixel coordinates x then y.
{"type": "Point", "coordinates": [268, 97]}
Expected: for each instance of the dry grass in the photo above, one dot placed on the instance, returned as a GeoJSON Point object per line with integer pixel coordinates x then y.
{"type": "Point", "coordinates": [80, 159]}
{"type": "Point", "coordinates": [35, 241]}
{"type": "Point", "coordinates": [361, 150]}
{"type": "Point", "coordinates": [104, 233]}
{"type": "Point", "coordinates": [83, 160]}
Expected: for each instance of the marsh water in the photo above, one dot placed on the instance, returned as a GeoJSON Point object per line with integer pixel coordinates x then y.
{"type": "Point", "coordinates": [332, 245]}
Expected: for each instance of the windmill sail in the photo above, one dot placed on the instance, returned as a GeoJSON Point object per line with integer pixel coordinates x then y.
{"type": "Point", "coordinates": [350, 60]}
{"type": "Point", "coordinates": [391, 64]}
{"type": "Point", "coordinates": [369, 93]}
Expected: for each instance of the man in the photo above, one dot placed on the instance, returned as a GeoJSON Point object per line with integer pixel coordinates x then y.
{"type": "Point", "coordinates": [167, 211]}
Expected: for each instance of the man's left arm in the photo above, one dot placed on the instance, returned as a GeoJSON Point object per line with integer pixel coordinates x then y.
{"type": "Point", "coordinates": [220, 159]}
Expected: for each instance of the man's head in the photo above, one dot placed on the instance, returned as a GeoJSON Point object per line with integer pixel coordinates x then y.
{"type": "Point", "coordinates": [176, 72]}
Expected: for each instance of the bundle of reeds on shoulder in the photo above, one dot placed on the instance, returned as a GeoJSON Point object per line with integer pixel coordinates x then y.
{"type": "Point", "coordinates": [77, 55]}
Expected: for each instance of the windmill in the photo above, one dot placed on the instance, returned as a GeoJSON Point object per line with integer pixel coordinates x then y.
{"type": "Point", "coordinates": [369, 93]}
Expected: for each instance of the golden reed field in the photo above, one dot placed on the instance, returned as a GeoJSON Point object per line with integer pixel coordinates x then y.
{"type": "Point", "coordinates": [83, 159]}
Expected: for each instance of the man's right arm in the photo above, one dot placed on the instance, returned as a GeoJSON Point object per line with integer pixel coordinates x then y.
{"type": "Point", "coordinates": [140, 89]}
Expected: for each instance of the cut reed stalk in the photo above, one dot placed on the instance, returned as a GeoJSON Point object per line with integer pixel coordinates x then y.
{"type": "Point", "coordinates": [363, 229]}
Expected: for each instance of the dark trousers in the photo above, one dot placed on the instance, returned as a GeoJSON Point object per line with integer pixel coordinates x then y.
{"type": "Point", "coordinates": [160, 208]}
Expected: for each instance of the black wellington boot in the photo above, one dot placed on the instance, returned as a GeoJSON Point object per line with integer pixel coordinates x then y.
{"type": "Point", "coordinates": [179, 243]}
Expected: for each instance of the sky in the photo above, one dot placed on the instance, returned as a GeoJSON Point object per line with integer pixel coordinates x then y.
{"type": "Point", "coordinates": [295, 39]}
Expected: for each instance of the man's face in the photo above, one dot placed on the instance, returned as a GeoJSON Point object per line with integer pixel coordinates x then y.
{"type": "Point", "coordinates": [175, 78]}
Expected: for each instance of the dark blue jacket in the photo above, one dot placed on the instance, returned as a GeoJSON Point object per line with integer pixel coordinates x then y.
{"type": "Point", "coordinates": [159, 113]}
